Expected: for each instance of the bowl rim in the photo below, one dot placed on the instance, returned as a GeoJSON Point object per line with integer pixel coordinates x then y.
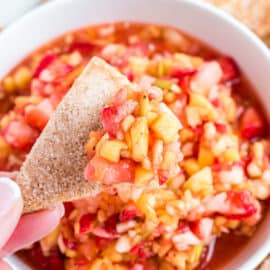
{"type": "Point", "coordinates": [256, 258]}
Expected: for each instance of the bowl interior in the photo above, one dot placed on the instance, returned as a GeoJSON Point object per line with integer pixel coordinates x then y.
{"type": "Point", "coordinates": [196, 19]}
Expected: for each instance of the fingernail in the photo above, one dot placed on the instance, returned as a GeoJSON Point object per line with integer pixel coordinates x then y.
{"type": "Point", "coordinates": [11, 206]}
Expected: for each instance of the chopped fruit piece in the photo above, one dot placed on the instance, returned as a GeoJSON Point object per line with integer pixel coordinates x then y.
{"type": "Point", "coordinates": [144, 105]}
{"type": "Point", "coordinates": [191, 166]}
{"type": "Point", "coordinates": [111, 150]}
{"type": "Point", "coordinates": [229, 69]}
{"type": "Point", "coordinates": [231, 155]}
{"type": "Point", "coordinates": [22, 78]}
{"type": "Point", "coordinates": [166, 127]}
{"type": "Point", "coordinates": [205, 157]}
{"type": "Point", "coordinates": [251, 124]}
{"type": "Point", "coordinates": [201, 182]}
{"type": "Point", "coordinates": [128, 213]}
{"type": "Point", "coordinates": [85, 223]}
{"type": "Point", "coordinates": [142, 176]}
{"type": "Point", "coordinates": [39, 115]}
{"type": "Point", "coordinates": [4, 149]}
{"type": "Point", "coordinates": [20, 136]}
{"type": "Point", "coordinates": [206, 108]}
{"type": "Point", "coordinates": [44, 63]}
{"type": "Point", "coordinates": [203, 228]}
{"type": "Point", "coordinates": [139, 135]}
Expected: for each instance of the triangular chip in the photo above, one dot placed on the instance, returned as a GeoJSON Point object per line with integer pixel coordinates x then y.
{"type": "Point", "coordinates": [53, 171]}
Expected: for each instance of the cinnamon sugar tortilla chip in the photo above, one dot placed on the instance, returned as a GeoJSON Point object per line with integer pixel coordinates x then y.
{"type": "Point", "coordinates": [53, 171]}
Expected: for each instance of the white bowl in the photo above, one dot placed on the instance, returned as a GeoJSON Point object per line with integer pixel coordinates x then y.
{"type": "Point", "coordinates": [199, 20]}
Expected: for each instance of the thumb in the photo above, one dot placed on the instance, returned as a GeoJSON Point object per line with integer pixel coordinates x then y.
{"type": "Point", "coordinates": [11, 205]}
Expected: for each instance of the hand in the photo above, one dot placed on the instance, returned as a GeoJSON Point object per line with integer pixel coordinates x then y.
{"type": "Point", "coordinates": [16, 231]}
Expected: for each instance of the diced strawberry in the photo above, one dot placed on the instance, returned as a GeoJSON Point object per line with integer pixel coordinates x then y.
{"type": "Point", "coordinates": [82, 47]}
{"type": "Point", "coordinates": [203, 228]}
{"type": "Point", "coordinates": [163, 176]}
{"type": "Point", "coordinates": [111, 222]}
{"type": "Point", "coordinates": [230, 69]}
{"type": "Point", "coordinates": [48, 59]}
{"type": "Point", "coordinates": [56, 262]}
{"type": "Point", "coordinates": [110, 173]}
{"type": "Point", "coordinates": [221, 128]}
{"type": "Point", "coordinates": [242, 204]}
{"type": "Point", "coordinates": [128, 213]}
{"type": "Point", "coordinates": [39, 115]}
{"type": "Point", "coordinates": [69, 244]}
{"type": "Point", "coordinates": [180, 73]}
{"type": "Point", "coordinates": [69, 207]}
{"type": "Point", "coordinates": [208, 75]}
{"type": "Point", "coordinates": [109, 120]}
{"type": "Point", "coordinates": [251, 124]}
{"type": "Point", "coordinates": [130, 75]}
{"type": "Point", "coordinates": [142, 250]}
{"type": "Point", "coordinates": [86, 222]}
{"type": "Point", "coordinates": [20, 135]}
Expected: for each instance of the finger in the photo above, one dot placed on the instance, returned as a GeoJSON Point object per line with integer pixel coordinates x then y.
{"type": "Point", "coordinates": [11, 175]}
{"type": "Point", "coordinates": [11, 206]}
{"type": "Point", "coordinates": [4, 266]}
{"type": "Point", "coordinates": [33, 227]}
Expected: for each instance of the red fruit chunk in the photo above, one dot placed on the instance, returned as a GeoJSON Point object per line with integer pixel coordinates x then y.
{"type": "Point", "coordinates": [20, 136]}
{"type": "Point", "coordinates": [69, 207]}
{"type": "Point", "coordinates": [86, 222]}
{"type": "Point", "coordinates": [229, 68]}
{"type": "Point", "coordinates": [183, 77]}
{"type": "Point", "coordinates": [55, 262]}
{"type": "Point", "coordinates": [38, 258]}
{"type": "Point", "coordinates": [251, 124]}
{"type": "Point", "coordinates": [109, 120]}
{"type": "Point", "coordinates": [142, 251]}
{"type": "Point", "coordinates": [163, 176]}
{"type": "Point", "coordinates": [241, 204]}
{"type": "Point", "coordinates": [203, 228]}
{"type": "Point", "coordinates": [38, 116]}
{"type": "Point", "coordinates": [221, 128]}
{"type": "Point", "coordinates": [109, 173]}
{"type": "Point", "coordinates": [82, 47]}
{"type": "Point", "coordinates": [110, 223]}
{"type": "Point", "coordinates": [127, 214]}
{"type": "Point", "coordinates": [69, 244]}
{"type": "Point", "coordinates": [102, 242]}
{"type": "Point", "coordinates": [48, 59]}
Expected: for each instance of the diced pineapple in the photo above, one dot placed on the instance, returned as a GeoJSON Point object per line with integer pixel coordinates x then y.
{"type": "Point", "coordinates": [231, 154]}
{"type": "Point", "coordinates": [169, 160]}
{"type": "Point", "coordinates": [138, 64]}
{"type": "Point", "coordinates": [111, 254]}
{"type": "Point", "coordinates": [111, 150]}
{"type": "Point", "coordinates": [146, 204]}
{"type": "Point", "coordinates": [4, 148]}
{"type": "Point", "coordinates": [139, 135]}
{"type": "Point", "coordinates": [97, 264]}
{"type": "Point", "coordinates": [205, 156]}
{"type": "Point", "coordinates": [142, 176]}
{"type": "Point", "coordinates": [186, 134]}
{"type": "Point", "coordinates": [206, 108]}
{"type": "Point", "coordinates": [144, 105]}
{"type": "Point", "coordinates": [193, 116]}
{"type": "Point", "coordinates": [21, 101]}
{"type": "Point", "coordinates": [9, 85]}
{"type": "Point", "coordinates": [191, 166]}
{"type": "Point", "coordinates": [201, 182]}
{"type": "Point", "coordinates": [166, 127]}
{"type": "Point", "coordinates": [22, 78]}
{"type": "Point", "coordinates": [151, 117]}
{"type": "Point", "coordinates": [127, 122]}
{"type": "Point", "coordinates": [229, 107]}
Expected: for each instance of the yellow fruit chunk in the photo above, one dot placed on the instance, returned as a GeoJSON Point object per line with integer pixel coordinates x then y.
{"type": "Point", "coordinates": [139, 135]}
{"type": "Point", "coordinates": [169, 160]}
{"type": "Point", "coordinates": [110, 150]}
{"type": "Point", "coordinates": [191, 166]}
{"type": "Point", "coordinates": [142, 176]}
{"type": "Point", "coordinates": [144, 105]}
{"type": "Point", "coordinates": [231, 154]}
{"type": "Point", "coordinates": [127, 122]}
{"type": "Point", "coordinates": [22, 78]}
{"type": "Point", "coordinates": [229, 107]}
{"type": "Point", "coordinates": [4, 148]}
{"type": "Point", "coordinates": [206, 108]}
{"type": "Point", "coordinates": [166, 127]}
{"type": "Point", "coordinates": [201, 182]}
{"type": "Point", "coordinates": [50, 241]}
{"type": "Point", "coordinates": [9, 85]}
{"type": "Point", "coordinates": [186, 134]}
{"type": "Point", "coordinates": [205, 156]}
{"type": "Point", "coordinates": [138, 64]}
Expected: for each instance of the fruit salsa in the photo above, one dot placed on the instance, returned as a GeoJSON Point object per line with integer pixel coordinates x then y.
{"type": "Point", "coordinates": [185, 155]}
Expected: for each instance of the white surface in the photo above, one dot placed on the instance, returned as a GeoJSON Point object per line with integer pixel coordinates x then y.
{"type": "Point", "coordinates": [13, 9]}
{"type": "Point", "coordinates": [200, 20]}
